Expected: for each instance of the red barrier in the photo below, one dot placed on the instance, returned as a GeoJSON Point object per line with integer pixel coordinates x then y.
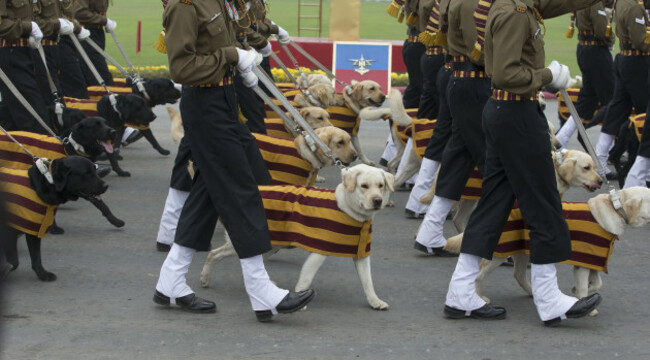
{"type": "Point", "coordinates": [321, 49]}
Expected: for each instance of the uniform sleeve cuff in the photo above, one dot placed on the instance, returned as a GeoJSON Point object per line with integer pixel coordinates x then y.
{"type": "Point", "coordinates": [231, 55]}
{"type": "Point", "coordinates": [273, 29]}
{"type": "Point", "coordinates": [547, 76]}
{"type": "Point", "coordinates": [27, 28]}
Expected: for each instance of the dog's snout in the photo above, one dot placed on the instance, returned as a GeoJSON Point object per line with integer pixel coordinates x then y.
{"type": "Point", "coordinates": [600, 181]}
{"type": "Point", "coordinates": [376, 202]}
{"type": "Point", "coordinates": [382, 98]}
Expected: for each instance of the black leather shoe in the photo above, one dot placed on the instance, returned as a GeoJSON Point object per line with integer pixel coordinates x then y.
{"type": "Point", "coordinates": [190, 303]}
{"type": "Point", "coordinates": [291, 303]}
{"type": "Point", "coordinates": [383, 162]}
{"type": "Point", "coordinates": [613, 175]}
{"type": "Point", "coordinates": [412, 215]}
{"type": "Point", "coordinates": [581, 308]}
{"type": "Point", "coordinates": [102, 171]}
{"type": "Point", "coordinates": [487, 312]}
{"type": "Point", "coordinates": [162, 247]}
{"type": "Point", "coordinates": [433, 251]}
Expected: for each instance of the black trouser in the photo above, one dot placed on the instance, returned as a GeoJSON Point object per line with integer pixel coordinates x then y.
{"type": "Point", "coordinates": [519, 165]}
{"type": "Point", "coordinates": [466, 147]}
{"type": "Point", "coordinates": [18, 64]}
{"type": "Point", "coordinates": [597, 67]}
{"type": "Point", "coordinates": [630, 91]}
{"type": "Point", "coordinates": [99, 37]}
{"type": "Point", "coordinates": [442, 131]}
{"type": "Point", "coordinates": [53, 64]}
{"type": "Point", "coordinates": [266, 65]}
{"type": "Point", "coordinates": [411, 53]}
{"type": "Point", "coordinates": [251, 106]}
{"type": "Point", "coordinates": [429, 100]}
{"type": "Point", "coordinates": [71, 76]}
{"type": "Point", "coordinates": [181, 179]}
{"type": "Point", "coordinates": [644, 146]}
{"type": "Point", "coordinates": [225, 154]}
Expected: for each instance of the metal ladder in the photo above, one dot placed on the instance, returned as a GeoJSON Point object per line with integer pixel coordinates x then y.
{"type": "Point", "coordinates": [306, 10]}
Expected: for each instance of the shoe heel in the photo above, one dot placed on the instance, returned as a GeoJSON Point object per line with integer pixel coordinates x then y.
{"type": "Point", "coordinates": [451, 313]}
{"type": "Point", "coordinates": [160, 301]}
{"type": "Point", "coordinates": [553, 322]}
{"type": "Point", "coordinates": [264, 315]}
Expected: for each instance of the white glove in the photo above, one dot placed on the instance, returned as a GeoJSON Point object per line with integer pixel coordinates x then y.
{"type": "Point", "coordinates": [110, 25]}
{"type": "Point", "coordinates": [283, 36]}
{"type": "Point", "coordinates": [267, 50]}
{"type": "Point", "coordinates": [258, 57]}
{"type": "Point", "coordinates": [561, 77]}
{"type": "Point", "coordinates": [246, 60]}
{"type": "Point", "coordinates": [83, 34]}
{"type": "Point", "coordinates": [66, 27]}
{"type": "Point", "coordinates": [36, 35]}
{"type": "Point", "coordinates": [250, 79]}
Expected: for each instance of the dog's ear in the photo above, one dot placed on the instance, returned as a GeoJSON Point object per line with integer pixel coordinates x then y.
{"type": "Point", "coordinates": [324, 134]}
{"type": "Point", "coordinates": [566, 169]}
{"type": "Point", "coordinates": [323, 96]}
{"type": "Point", "coordinates": [632, 208]}
{"type": "Point", "coordinates": [304, 112]}
{"type": "Point", "coordinates": [350, 180]}
{"type": "Point", "coordinates": [389, 179]}
{"type": "Point", "coordinates": [606, 216]}
{"type": "Point", "coordinates": [60, 174]}
{"type": "Point", "coordinates": [357, 92]}
{"type": "Point", "coordinates": [339, 100]}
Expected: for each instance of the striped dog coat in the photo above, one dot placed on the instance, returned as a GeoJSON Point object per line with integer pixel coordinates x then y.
{"type": "Point", "coordinates": [344, 118]}
{"type": "Point", "coordinates": [289, 94]}
{"type": "Point", "coordinates": [403, 132]}
{"type": "Point", "coordinates": [89, 107]}
{"type": "Point", "coordinates": [26, 212]}
{"type": "Point", "coordinates": [96, 92]}
{"type": "Point", "coordinates": [13, 157]}
{"type": "Point", "coordinates": [310, 219]}
{"type": "Point", "coordinates": [563, 109]}
{"type": "Point", "coordinates": [283, 161]}
{"type": "Point", "coordinates": [637, 122]}
{"type": "Point", "coordinates": [421, 133]}
{"type": "Point", "coordinates": [275, 127]}
{"type": "Point", "coordinates": [591, 245]}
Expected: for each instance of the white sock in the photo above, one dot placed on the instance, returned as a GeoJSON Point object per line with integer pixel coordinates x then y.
{"type": "Point", "coordinates": [430, 233]}
{"type": "Point", "coordinates": [566, 131]}
{"type": "Point", "coordinates": [172, 280]}
{"type": "Point", "coordinates": [169, 219]}
{"type": "Point", "coordinates": [423, 184]}
{"type": "Point", "coordinates": [263, 294]}
{"type": "Point", "coordinates": [462, 287]}
{"type": "Point", "coordinates": [638, 172]}
{"type": "Point", "coordinates": [603, 146]}
{"type": "Point", "coordinates": [390, 151]}
{"type": "Point", "coordinates": [549, 300]}
{"type": "Point", "coordinates": [127, 132]}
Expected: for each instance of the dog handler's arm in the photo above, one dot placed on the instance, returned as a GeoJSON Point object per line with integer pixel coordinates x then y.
{"type": "Point", "coordinates": [87, 17]}
{"type": "Point", "coordinates": [552, 8]}
{"type": "Point", "coordinates": [12, 29]}
{"type": "Point", "coordinates": [187, 65]}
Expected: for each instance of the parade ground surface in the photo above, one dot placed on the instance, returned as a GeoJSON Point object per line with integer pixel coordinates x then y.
{"type": "Point", "coordinates": [100, 307]}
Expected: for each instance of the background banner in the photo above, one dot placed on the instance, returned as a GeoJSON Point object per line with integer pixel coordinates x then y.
{"type": "Point", "coordinates": [362, 61]}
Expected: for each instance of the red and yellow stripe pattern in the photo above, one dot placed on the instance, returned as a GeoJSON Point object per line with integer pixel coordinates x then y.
{"type": "Point", "coordinates": [637, 121]}
{"type": "Point", "coordinates": [26, 212]}
{"type": "Point", "coordinates": [13, 157]}
{"type": "Point", "coordinates": [422, 130]}
{"type": "Point", "coordinates": [562, 109]}
{"type": "Point", "coordinates": [344, 118]}
{"type": "Point", "coordinates": [275, 128]}
{"type": "Point", "coordinates": [284, 163]}
{"type": "Point", "coordinates": [310, 219]}
{"type": "Point", "coordinates": [591, 245]}
{"type": "Point", "coordinates": [473, 186]}
{"type": "Point", "coordinates": [96, 92]}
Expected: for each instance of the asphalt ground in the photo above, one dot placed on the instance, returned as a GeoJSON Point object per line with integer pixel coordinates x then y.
{"type": "Point", "coordinates": [100, 307]}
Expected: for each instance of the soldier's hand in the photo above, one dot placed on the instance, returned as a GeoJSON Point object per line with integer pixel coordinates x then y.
{"type": "Point", "coordinates": [66, 26]}
{"type": "Point", "coordinates": [283, 36]}
{"type": "Point", "coordinates": [267, 50]}
{"type": "Point", "coordinates": [83, 34]}
{"type": "Point", "coordinates": [249, 79]}
{"type": "Point", "coordinates": [561, 75]}
{"type": "Point", "coordinates": [247, 59]}
{"type": "Point", "coordinates": [35, 36]}
{"type": "Point", "coordinates": [110, 25]}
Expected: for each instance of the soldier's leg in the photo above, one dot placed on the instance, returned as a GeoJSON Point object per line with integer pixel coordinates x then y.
{"type": "Point", "coordinates": [429, 99]}
{"type": "Point", "coordinates": [412, 52]}
{"type": "Point", "coordinates": [99, 37]}
{"type": "Point", "coordinates": [73, 82]}
{"type": "Point", "coordinates": [251, 106]}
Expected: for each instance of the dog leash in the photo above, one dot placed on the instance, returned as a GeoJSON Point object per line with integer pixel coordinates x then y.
{"type": "Point", "coordinates": [303, 77]}
{"type": "Point", "coordinates": [614, 194]}
{"type": "Point", "coordinates": [277, 60]}
{"type": "Point", "coordinates": [314, 142]}
{"type": "Point", "coordinates": [25, 103]}
{"type": "Point", "coordinates": [42, 164]}
{"type": "Point", "coordinates": [119, 46]}
{"type": "Point", "coordinates": [89, 63]}
{"type": "Point", "coordinates": [59, 105]}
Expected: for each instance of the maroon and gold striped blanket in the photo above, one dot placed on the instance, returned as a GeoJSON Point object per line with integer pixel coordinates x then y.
{"type": "Point", "coordinates": [283, 161]}
{"type": "Point", "coordinates": [591, 244]}
{"type": "Point", "coordinates": [563, 109]}
{"type": "Point", "coordinates": [310, 219]}
{"type": "Point", "coordinates": [13, 157]}
{"type": "Point", "coordinates": [275, 127]}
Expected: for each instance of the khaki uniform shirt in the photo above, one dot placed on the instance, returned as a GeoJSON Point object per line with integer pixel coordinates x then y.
{"type": "Point", "coordinates": [91, 13]}
{"type": "Point", "coordinates": [594, 19]}
{"type": "Point", "coordinates": [411, 7]}
{"type": "Point", "coordinates": [200, 38]}
{"type": "Point", "coordinates": [46, 15]}
{"type": "Point", "coordinates": [424, 10]}
{"type": "Point", "coordinates": [15, 19]}
{"type": "Point", "coordinates": [264, 25]}
{"type": "Point", "coordinates": [514, 43]}
{"type": "Point", "coordinates": [630, 19]}
{"type": "Point", "coordinates": [443, 21]}
{"type": "Point", "coordinates": [461, 34]}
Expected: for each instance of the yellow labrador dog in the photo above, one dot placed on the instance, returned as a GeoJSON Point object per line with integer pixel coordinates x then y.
{"type": "Point", "coordinates": [363, 191]}
{"type": "Point", "coordinates": [321, 95]}
{"type": "Point", "coordinates": [176, 125]}
{"type": "Point", "coordinates": [315, 116]}
{"type": "Point", "coordinates": [636, 203]}
{"type": "Point", "coordinates": [336, 139]}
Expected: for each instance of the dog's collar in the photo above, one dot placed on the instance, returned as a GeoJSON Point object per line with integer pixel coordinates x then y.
{"type": "Point", "coordinates": [312, 99]}
{"type": "Point", "coordinates": [44, 165]}
{"type": "Point", "coordinates": [140, 85]}
{"type": "Point", "coordinates": [75, 145]}
{"type": "Point", "coordinates": [559, 156]}
{"type": "Point", "coordinates": [615, 198]}
{"type": "Point", "coordinates": [113, 99]}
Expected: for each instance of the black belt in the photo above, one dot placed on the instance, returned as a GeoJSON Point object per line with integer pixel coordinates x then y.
{"type": "Point", "coordinates": [466, 66]}
{"type": "Point", "coordinates": [626, 46]}
{"type": "Point", "coordinates": [587, 38]}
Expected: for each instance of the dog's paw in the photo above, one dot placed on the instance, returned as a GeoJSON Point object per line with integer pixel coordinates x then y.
{"type": "Point", "coordinates": [371, 163]}
{"type": "Point", "coordinates": [378, 304]}
{"type": "Point", "coordinates": [164, 152]}
{"type": "Point", "coordinates": [391, 203]}
{"type": "Point", "coordinates": [123, 173]}
{"type": "Point", "coordinates": [320, 179]}
{"type": "Point", "coordinates": [594, 312]}
{"type": "Point", "coordinates": [46, 276]}
{"type": "Point", "coordinates": [205, 281]}
{"type": "Point", "coordinates": [485, 298]}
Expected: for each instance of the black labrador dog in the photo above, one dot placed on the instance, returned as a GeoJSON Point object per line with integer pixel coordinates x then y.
{"type": "Point", "coordinates": [158, 91]}
{"type": "Point", "coordinates": [72, 177]}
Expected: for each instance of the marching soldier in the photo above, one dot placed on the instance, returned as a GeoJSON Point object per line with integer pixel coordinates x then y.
{"type": "Point", "coordinates": [91, 14]}
{"type": "Point", "coordinates": [596, 64]}
{"type": "Point", "coordinates": [17, 29]}
{"type": "Point", "coordinates": [518, 163]}
{"type": "Point", "coordinates": [436, 30]}
{"type": "Point", "coordinates": [266, 27]}
{"type": "Point", "coordinates": [641, 166]}
{"type": "Point", "coordinates": [468, 90]}
{"type": "Point", "coordinates": [203, 56]}
{"type": "Point", "coordinates": [71, 76]}
{"type": "Point", "coordinates": [430, 63]}
{"type": "Point", "coordinates": [630, 75]}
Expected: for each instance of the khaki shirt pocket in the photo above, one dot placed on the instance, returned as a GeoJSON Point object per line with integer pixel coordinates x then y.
{"type": "Point", "coordinates": [218, 32]}
{"type": "Point", "coordinates": [48, 8]}
{"type": "Point", "coordinates": [536, 35]}
{"type": "Point", "coordinates": [17, 4]}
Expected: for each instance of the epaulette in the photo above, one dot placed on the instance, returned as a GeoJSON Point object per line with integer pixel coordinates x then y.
{"type": "Point", "coordinates": [520, 6]}
{"type": "Point", "coordinates": [188, 2]}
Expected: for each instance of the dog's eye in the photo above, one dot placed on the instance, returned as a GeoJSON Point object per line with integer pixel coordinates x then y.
{"type": "Point", "coordinates": [341, 142]}
{"type": "Point", "coordinates": [364, 186]}
{"type": "Point", "coordinates": [381, 186]}
{"type": "Point", "coordinates": [372, 88]}
{"type": "Point", "coordinates": [588, 167]}
{"type": "Point", "coordinates": [320, 118]}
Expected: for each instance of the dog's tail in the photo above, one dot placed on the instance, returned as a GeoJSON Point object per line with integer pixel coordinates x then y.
{"type": "Point", "coordinates": [176, 125]}
{"type": "Point", "coordinates": [397, 111]}
{"type": "Point", "coordinates": [454, 243]}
